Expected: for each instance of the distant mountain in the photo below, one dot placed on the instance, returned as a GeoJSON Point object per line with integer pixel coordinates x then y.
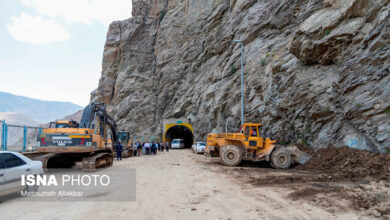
{"type": "Point", "coordinates": [76, 116]}
{"type": "Point", "coordinates": [17, 118]}
{"type": "Point", "coordinates": [38, 110]}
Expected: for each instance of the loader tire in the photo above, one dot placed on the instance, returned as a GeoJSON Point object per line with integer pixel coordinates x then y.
{"type": "Point", "coordinates": [231, 155]}
{"type": "Point", "coordinates": [280, 158]}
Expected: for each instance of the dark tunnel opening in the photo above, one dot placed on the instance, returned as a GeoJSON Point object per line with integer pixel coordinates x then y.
{"type": "Point", "coordinates": [180, 132]}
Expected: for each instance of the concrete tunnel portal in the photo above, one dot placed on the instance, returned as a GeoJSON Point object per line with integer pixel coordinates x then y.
{"type": "Point", "coordinates": [178, 129]}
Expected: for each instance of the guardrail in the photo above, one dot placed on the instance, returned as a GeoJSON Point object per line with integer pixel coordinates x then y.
{"type": "Point", "coordinates": [18, 137]}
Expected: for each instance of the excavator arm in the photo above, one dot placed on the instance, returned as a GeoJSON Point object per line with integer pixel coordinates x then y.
{"type": "Point", "coordinates": [97, 111]}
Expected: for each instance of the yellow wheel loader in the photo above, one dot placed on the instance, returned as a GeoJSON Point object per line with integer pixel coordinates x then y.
{"type": "Point", "coordinates": [232, 148]}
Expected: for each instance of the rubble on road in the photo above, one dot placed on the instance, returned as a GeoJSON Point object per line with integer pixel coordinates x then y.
{"type": "Point", "coordinates": [337, 179]}
{"type": "Point", "coordinates": [348, 164]}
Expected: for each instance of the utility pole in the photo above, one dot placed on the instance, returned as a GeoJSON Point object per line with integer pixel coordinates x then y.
{"type": "Point", "coordinates": [242, 79]}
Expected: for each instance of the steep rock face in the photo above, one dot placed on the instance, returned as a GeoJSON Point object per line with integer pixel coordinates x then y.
{"type": "Point", "coordinates": [316, 71]}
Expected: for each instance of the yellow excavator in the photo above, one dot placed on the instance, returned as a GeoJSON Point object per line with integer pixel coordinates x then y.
{"type": "Point", "coordinates": [66, 143]}
{"type": "Point", "coordinates": [124, 139]}
{"type": "Point", "coordinates": [232, 148]}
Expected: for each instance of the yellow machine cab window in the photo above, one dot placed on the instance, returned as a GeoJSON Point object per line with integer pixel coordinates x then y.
{"type": "Point", "coordinates": [61, 125]}
{"type": "Point", "coordinates": [247, 130]}
{"type": "Point", "coordinates": [254, 132]}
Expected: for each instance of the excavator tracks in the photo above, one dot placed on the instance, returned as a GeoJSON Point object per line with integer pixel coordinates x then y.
{"type": "Point", "coordinates": [64, 160]}
{"type": "Point", "coordinates": [97, 161]}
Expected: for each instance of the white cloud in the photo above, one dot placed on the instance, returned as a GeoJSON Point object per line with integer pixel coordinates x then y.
{"type": "Point", "coordinates": [36, 30]}
{"type": "Point", "coordinates": [83, 11]}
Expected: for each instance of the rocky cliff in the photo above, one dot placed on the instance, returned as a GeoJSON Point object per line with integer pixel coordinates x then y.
{"type": "Point", "coordinates": [316, 71]}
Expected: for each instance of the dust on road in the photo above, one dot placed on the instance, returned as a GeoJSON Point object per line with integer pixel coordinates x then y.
{"type": "Point", "coordinates": [181, 185]}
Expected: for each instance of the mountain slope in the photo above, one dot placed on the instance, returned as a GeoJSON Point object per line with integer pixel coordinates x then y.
{"type": "Point", "coordinates": [16, 118]}
{"type": "Point", "coordinates": [38, 110]}
{"type": "Point", "coordinates": [316, 71]}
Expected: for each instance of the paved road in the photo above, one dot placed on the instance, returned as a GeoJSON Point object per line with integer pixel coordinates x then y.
{"type": "Point", "coordinates": [177, 185]}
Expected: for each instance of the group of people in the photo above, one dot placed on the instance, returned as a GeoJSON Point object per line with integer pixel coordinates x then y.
{"type": "Point", "coordinates": [147, 148]}
{"type": "Point", "coordinates": [150, 147]}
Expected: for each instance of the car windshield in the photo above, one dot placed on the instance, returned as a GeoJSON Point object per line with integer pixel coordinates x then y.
{"type": "Point", "coordinates": [201, 144]}
{"type": "Point", "coordinates": [175, 141]}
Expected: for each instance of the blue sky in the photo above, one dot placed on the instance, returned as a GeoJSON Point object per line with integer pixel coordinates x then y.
{"type": "Point", "coordinates": [52, 49]}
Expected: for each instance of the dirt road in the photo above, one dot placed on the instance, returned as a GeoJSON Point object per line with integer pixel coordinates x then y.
{"type": "Point", "coordinates": [181, 185]}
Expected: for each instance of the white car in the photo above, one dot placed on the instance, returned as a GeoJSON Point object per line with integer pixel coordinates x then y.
{"type": "Point", "coordinates": [177, 143]}
{"type": "Point", "coordinates": [199, 147]}
{"type": "Point", "coordinates": [12, 166]}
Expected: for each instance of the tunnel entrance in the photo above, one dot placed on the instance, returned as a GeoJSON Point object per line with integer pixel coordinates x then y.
{"type": "Point", "coordinates": [180, 132]}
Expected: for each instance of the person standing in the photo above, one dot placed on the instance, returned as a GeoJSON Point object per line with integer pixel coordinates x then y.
{"type": "Point", "coordinates": [139, 149]}
{"type": "Point", "coordinates": [144, 148]}
{"type": "Point", "coordinates": [154, 148]}
{"type": "Point", "coordinates": [119, 150]}
{"type": "Point", "coordinates": [134, 146]}
{"type": "Point", "coordinates": [147, 148]}
{"type": "Point", "coordinates": [167, 146]}
{"type": "Point", "coordinates": [162, 146]}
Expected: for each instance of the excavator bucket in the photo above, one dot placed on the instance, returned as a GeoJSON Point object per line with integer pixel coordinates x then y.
{"type": "Point", "coordinates": [297, 155]}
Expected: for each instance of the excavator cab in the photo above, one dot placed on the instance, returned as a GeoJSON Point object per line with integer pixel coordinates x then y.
{"type": "Point", "coordinates": [124, 137]}
{"type": "Point", "coordinates": [64, 124]}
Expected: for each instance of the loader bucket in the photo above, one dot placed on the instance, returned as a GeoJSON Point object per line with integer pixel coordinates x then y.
{"type": "Point", "coordinates": [297, 155]}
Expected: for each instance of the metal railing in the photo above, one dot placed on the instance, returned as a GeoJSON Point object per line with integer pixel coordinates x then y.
{"type": "Point", "coordinates": [19, 138]}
